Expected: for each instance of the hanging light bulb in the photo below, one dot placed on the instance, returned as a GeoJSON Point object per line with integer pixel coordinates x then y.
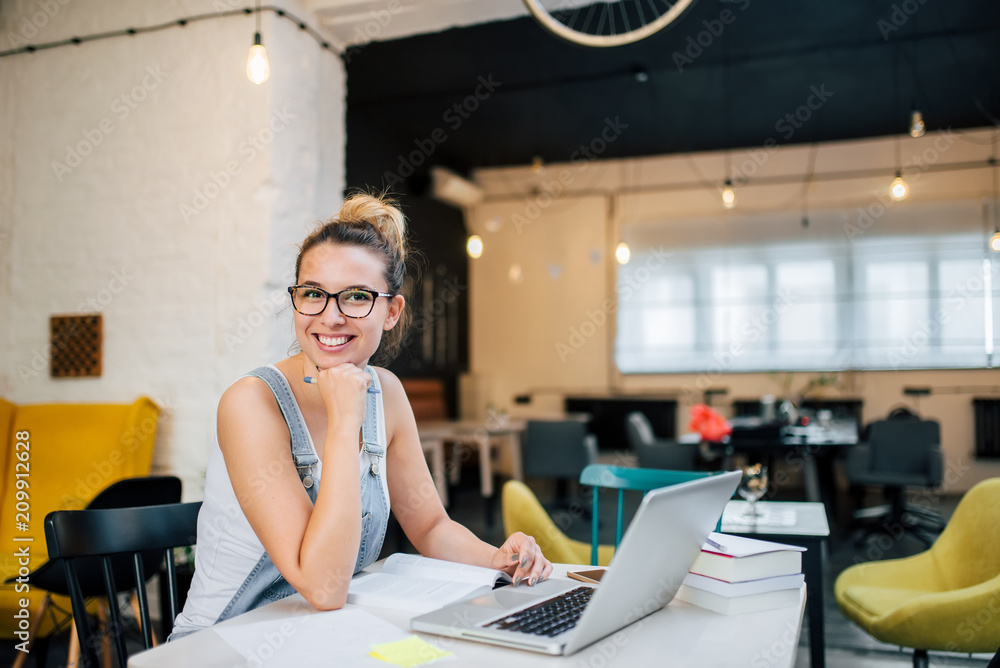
{"type": "Point", "coordinates": [917, 126]}
{"type": "Point", "coordinates": [898, 188]}
{"type": "Point", "coordinates": [474, 246]}
{"type": "Point", "coordinates": [995, 241]}
{"type": "Point", "coordinates": [258, 69]}
{"type": "Point", "coordinates": [623, 253]}
{"type": "Point", "coordinates": [728, 195]}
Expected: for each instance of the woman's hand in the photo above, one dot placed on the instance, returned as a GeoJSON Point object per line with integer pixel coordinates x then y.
{"type": "Point", "coordinates": [344, 391]}
{"type": "Point", "coordinates": [521, 557]}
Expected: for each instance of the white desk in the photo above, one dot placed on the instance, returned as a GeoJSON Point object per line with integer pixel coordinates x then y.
{"type": "Point", "coordinates": [679, 635]}
{"type": "Point", "coordinates": [797, 523]}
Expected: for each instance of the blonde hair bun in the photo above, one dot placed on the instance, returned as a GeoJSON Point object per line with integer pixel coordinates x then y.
{"type": "Point", "coordinates": [381, 213]}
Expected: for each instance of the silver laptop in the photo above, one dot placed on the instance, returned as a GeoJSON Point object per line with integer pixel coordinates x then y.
{"type": "Point", "coordinates": [658, 548]}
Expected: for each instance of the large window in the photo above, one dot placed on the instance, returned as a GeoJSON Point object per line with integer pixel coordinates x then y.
{"type": "Point", "coordinates": [897, 296]}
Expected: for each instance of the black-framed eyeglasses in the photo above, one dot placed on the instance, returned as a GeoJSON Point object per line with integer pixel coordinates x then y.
{"type": "Point", "coordinates": [353, 302]}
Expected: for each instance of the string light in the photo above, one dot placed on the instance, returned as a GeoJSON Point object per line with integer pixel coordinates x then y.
{"type": "Point", "coordinates": [917, 125]}
{"type": "Point", "coordinates": [258, 69]}
{"type": "Point", "coordinates": [728, 195]}
{"type": "Point", "coordinates": [898, 188]}
{"type": "Point", "coordinates": [474, 246]}
{"type": "Point", "coordinates": [77, 40]}
{"type": "Point", "coordinates": [623, 253]}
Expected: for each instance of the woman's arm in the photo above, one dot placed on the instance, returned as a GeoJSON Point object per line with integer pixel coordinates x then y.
{"type": "Point", "coordinates": [416, 504]}
{"type": "Point", "coordinates": [313, 547]}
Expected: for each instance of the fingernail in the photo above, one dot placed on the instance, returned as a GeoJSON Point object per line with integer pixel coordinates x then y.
{"type": "Point", "coordinates": [513, 557]}
{"type": "Point", "coordinates": [532, 581]}
{"type": "Point", "coordinates": [517, 581]}
{"type": "Point", "coordinates": [524, 562]}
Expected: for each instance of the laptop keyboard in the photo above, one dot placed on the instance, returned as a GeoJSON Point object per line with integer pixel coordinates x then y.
{"type": "Point", "coordinates": [550, 617]}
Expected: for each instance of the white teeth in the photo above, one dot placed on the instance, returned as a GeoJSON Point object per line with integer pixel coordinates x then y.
{"type": "Point", "coordinates": [332, 340]}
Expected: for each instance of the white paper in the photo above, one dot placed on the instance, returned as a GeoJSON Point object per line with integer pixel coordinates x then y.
{"type": "Point", "coordinates": [424, 567]}
{"type": "Point", "coordinates": [402, 592]}
{"type": "Point", "coordinates": [737, 512]}
{"type": "Point", "coordinates": [338, 637]}
{"type": "Point", "coordinates": [740, 546]}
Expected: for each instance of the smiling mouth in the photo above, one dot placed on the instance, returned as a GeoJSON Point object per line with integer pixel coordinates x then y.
{"type": "Point", "coordinates": [333, 341]}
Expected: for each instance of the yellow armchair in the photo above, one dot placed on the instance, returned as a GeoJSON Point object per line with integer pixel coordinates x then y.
{"type": "Point", "coordinates": [70, 452]}
{"type": "Point", "coordinates": [946, 598]}
{"type": "Point", "coordinates": [522, 512]}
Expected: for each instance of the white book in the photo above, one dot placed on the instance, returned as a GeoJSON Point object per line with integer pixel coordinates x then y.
{"type": "Point", "coordinates": [739, 605]}
{"type": "Point", "coordinates": [733, 589]}
{"type": "Point", "coordinates": [740, 559]}
{"type": "Point", "coordinates": [421, 584]}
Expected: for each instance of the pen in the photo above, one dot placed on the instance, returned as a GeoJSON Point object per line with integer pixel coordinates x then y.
{"type": "Point", "coordinates": [717, 546]}
{"type": "Point", "coordinates": [315, 381]}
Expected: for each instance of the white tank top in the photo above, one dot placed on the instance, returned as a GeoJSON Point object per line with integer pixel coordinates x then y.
{"type": "Point", "coordinates": [227, 547]}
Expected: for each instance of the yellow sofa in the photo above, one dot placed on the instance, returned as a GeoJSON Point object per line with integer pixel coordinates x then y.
{"type": "Point", "coordinates": [58, 457]}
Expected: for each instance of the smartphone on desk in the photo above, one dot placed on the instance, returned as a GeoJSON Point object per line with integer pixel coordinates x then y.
{"type": "Point", "coordinates": [590, 577]}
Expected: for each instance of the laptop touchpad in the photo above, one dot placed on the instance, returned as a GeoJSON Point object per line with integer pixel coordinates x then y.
{"type": "Point", "coordinates": [511, 597]}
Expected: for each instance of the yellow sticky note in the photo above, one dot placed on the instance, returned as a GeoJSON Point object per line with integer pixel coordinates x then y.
{"type": "Point", "coordinates": [413, 651]}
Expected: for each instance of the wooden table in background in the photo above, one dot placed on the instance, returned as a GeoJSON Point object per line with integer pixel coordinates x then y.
{"type": "Point", "coordinates": [480, 435]}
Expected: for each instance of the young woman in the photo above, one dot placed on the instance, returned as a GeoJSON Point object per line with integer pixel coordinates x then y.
{"type": "Point", "coordinates": [310, 451]}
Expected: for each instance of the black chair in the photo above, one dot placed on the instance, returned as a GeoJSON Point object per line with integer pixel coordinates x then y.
{"type": "Point", "coordinates": [657, 453]}
{"type": "Point", "coordinates": [557, 449]}
{"type": "Point", "coordinates": [77, 535]}
{"type": "Point", "coordinates": [51, 576]}
{"type": "Point", "coordinates": [899, 452]}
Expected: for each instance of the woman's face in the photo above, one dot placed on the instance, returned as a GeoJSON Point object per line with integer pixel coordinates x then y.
{"type": "Point", "coordinates": [330, 338]}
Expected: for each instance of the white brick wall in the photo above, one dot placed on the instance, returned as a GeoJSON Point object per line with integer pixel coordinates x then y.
{"type": "Point", "coordinates": [187, 294]}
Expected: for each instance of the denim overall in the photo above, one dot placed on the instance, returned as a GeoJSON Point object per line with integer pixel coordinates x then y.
{"type": "Point", "coordinates": [264, 583]}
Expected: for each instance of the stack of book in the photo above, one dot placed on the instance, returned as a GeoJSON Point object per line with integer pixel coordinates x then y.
{"type": "Point", "coordinates": [735, 575]}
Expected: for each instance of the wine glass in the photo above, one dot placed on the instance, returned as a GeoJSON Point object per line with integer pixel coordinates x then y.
{"type": "Point", "coordinates": [753, 486]}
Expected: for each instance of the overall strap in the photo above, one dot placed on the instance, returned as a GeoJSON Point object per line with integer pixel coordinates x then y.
{"type": "Point", "coordinates": [302, 453]}
{"type": "Point", "coordinates": [369, 430]}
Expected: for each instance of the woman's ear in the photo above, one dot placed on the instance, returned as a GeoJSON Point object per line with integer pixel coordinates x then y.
{"type": "Point", "coordinates": [396, 305]}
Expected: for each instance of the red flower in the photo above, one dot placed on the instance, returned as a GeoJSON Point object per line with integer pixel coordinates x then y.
{"type": "Point", "coordinates": [709, 423]}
